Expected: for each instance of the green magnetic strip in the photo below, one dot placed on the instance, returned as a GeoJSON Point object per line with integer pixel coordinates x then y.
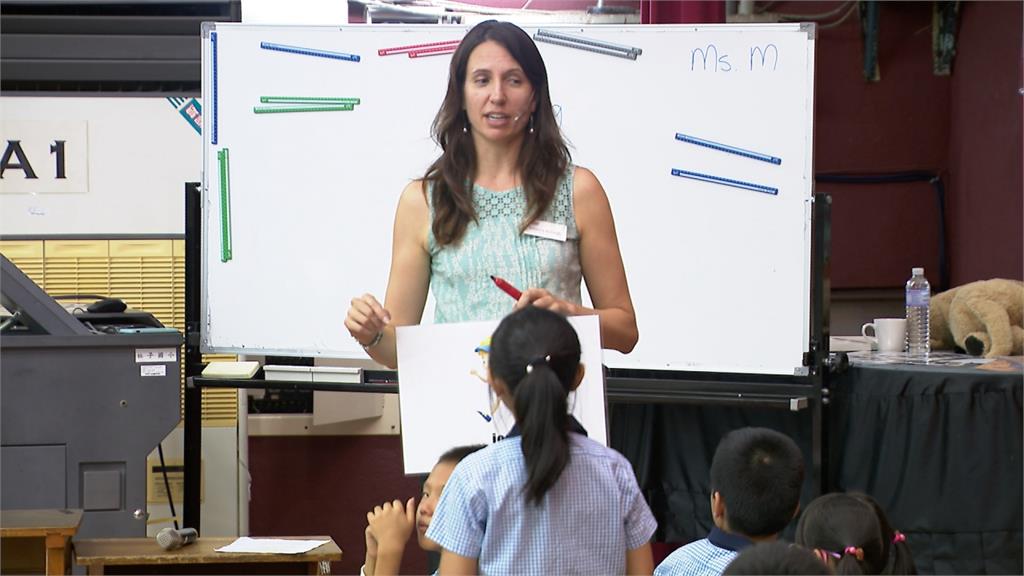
{"type": "Point", "coordinates": [225, 205]}
{"type": "Point", "coordinates": [308, 100]}
{"type": "Point", "coordinates": [288, 109]}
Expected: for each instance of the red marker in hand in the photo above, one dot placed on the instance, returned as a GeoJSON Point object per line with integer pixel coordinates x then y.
{"type": "Point", "coordinates": [506, 287]}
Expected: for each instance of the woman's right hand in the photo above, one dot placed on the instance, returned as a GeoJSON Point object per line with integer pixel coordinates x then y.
{"type": "Point", "coordinates": [366, 319]}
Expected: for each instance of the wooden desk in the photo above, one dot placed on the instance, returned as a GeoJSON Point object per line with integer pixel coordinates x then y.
{"type": "Point", "coordinates": [52, 527]}
{"type": "Point", "coordinates": [144, 555]}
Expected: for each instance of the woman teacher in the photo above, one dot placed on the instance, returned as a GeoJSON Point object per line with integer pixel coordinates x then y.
{"type": "Point", "coordinates": [504, 200]}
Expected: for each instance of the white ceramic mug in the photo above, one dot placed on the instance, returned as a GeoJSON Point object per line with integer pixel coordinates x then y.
{"type": "Point", "coordinates": [890, 334]}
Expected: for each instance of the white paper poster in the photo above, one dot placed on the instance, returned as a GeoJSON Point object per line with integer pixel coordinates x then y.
{"type": "Point", "coordinates": [445, 399]}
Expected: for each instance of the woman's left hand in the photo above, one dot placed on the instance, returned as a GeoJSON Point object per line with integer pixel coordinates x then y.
{"type": "Point", "coordinates": [541, 298]}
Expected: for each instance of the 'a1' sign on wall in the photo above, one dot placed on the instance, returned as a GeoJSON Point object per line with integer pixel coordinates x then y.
{"type": "Point", "coordinates": [44, 157]}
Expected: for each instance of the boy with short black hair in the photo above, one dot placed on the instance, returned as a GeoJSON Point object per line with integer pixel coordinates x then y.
{"type": "Point", "coordinates": [390, 525]}
{"type": "Point", "coordinates": [756, 475]}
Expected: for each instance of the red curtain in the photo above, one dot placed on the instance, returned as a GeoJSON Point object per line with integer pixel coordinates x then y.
{"type": "Point", "coordinates": [682, 11]}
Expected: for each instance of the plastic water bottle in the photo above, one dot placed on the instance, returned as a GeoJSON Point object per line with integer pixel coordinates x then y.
{"type": "Point", "coordinates": [919, 294]}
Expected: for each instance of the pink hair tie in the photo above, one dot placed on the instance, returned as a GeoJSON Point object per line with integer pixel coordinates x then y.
{"type": "Point", "coordinates": [824, 555]}
{"type": "Point", "coordinates": [898, 537]}
{"type": "Point", "coordinates": [856, 552]}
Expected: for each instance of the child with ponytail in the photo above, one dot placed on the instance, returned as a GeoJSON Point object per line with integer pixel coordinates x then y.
{"type": "Point", "coordinates": [899, 559]}
{"type": "Point", "coordinates": [851, 534]}
{"type": "Point", "coordinates": [546, 499]}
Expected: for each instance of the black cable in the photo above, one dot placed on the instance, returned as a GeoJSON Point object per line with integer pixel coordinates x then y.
{"type": "Point", "coordinates": [898, 177]}
{"type": "Point", "coordinates": [878, 178]}
{"type": "Point", "coordinates": [167, 484]}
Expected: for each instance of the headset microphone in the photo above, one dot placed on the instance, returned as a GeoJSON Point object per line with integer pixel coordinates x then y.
{"type": "Point", "coordinates": [171, 539]}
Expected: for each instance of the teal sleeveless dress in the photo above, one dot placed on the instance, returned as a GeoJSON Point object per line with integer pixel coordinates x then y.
{"type": "Point", "coordinates": [460, 273]}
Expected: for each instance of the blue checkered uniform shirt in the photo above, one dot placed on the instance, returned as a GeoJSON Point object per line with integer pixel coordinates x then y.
{"type": "Point", "coordinates": [706, 557]}
{"type": "Point", "coordinates": [585, 524]}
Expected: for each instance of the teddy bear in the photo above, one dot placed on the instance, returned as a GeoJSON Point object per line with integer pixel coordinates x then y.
{"type": "Point", "coordinates": [982, 318]}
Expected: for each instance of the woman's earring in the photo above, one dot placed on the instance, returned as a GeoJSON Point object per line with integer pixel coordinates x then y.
{"type": "Point", "coordinates": [464, 128]}
{"type": "Point", "coordinates": [531, 123]}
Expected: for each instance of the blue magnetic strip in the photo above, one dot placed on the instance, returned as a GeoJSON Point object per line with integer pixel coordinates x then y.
{"type": "Point", "coordinates": [213, 44]}
{"type": "Point", "coordinates": [587, 47]}
{"type": "Point", "coordinates": [588, 41]}
{"type": "Point", "coordinates": [309, 52]}
{"type": "Point", "coordinates": [725, 181]}
{"type": "Point", "coordinates": [729, 149]}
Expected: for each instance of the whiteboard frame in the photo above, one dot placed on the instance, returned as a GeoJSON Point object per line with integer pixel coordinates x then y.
{"type": "Point", "coordinates": [793, 364]}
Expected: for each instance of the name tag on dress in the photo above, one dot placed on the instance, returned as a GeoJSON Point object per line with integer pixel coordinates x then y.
{"type": "Point", "coordinates": [549, 230]}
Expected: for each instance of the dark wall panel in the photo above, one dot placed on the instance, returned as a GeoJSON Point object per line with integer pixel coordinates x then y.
{"type": "Point", "coordinates": [900, 123]}
{"type": "Point", "coordinates": [965, 127]}
{"type": "Point", "coordinates": [985, 148]}
{"type": "Point", "coordinates": [309, 485]}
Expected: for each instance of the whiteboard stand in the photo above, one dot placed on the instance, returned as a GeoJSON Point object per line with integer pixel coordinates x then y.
{"type": "Point", "coordinates": [192, 413]}
{"type": "Point", "coordinates": [806, 393]}
{"type": "Point", "coordinates": [788, 260]}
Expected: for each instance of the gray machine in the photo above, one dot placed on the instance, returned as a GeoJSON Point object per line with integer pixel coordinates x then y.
{"type": "Point", "coordinates": [84, 399]}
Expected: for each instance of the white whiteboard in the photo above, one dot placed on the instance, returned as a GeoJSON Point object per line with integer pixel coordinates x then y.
{"type": "Point", "coordinates": [720, 276]}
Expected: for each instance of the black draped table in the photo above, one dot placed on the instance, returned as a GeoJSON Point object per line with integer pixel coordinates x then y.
{"type": "Point", "coordinates": [940, 448]}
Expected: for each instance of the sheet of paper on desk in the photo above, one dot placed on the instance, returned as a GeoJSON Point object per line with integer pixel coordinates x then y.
{"type": "Point", "coordinates": [271, 546]}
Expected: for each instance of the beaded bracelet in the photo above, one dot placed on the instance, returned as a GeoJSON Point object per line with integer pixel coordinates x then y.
{"type": "Point", "coordinates": [376, 340]}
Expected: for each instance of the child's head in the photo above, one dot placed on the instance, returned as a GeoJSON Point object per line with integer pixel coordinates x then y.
{"type": "Point", "coordinates": [776, 558]}
{"type": "Point", "coordinates": [432, 491]}
{"type": "Point", "coordinates": [847, 529]}
{"type": "Point", "coordinates": [899, 559]}
{"type": "Point", "coordinates": [534, 364]}
{"type": "Point", "coordinates": [756, 475]}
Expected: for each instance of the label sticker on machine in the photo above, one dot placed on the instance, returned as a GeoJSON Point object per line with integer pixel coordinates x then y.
{"type": "Point", "coordinates": [156, 354]}
{"type": "Point", "coordinates": [153, 370]}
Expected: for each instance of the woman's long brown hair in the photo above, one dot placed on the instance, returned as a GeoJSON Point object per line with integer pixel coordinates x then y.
{"type": "Point", "coordinates": [543, 157]}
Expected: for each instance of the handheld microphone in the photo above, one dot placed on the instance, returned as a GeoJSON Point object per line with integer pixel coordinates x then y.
{"type": "Point", "coordinates": [171, 539]}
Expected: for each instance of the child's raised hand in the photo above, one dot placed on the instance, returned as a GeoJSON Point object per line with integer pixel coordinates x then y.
{"type": "Point", "coordinates": [370, 562]}
{"type": "Point", "coordinates": [391, 525]}
{"type": "Point", "coordinates": [371, 540]}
